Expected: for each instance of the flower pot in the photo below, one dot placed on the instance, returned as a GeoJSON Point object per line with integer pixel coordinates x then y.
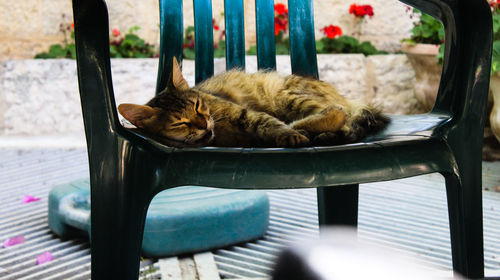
{"type": "Point", "coordinates": [423, 58]}
{"type": "Point", "coordinates": [495, 110]}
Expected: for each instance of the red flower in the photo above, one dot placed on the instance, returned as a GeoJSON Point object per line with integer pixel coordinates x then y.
{"type": "Point", "coordinates": [495, 4]}
{"type": "Point", "coordinates": [73, 25]}
{"type": "Point", "coordinates": [368, 10]}
{"type": "Point", "coordinates": [361, 10]}
{"type": "Point", "coordinates": [116, 33]}
{"type": "Point", "coordinates": [280, 9]}
{"type": "Point", "coordinates": [352, 8]}
{"type": "Point", "coordinates": [216, 27]}
{"type": "Point", "coordinates": [279, 25]}
{"type": "Point", "coordinates": [332, 31]}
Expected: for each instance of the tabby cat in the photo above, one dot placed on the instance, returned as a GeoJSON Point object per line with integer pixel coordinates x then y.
{"type": "Point", "coordinates": [264, 109]}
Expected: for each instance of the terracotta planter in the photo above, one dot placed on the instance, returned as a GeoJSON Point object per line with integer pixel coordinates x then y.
{"type": "Point", "coordinates": [427, 72]}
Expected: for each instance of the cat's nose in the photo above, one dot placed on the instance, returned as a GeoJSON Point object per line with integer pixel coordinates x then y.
{"type": "Point", "coordinates": [200, 123]}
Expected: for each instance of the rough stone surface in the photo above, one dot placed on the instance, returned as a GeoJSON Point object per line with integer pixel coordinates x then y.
{"type": "Point", "coordinates": [28, 27]}
{"type": "Point", "coordinates": [390, 84]}
{"type": "Point", "coordinates": [39, 97]}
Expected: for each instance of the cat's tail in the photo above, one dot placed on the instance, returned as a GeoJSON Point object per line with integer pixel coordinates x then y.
{"type": "Point", "coordinates": [365, 119]}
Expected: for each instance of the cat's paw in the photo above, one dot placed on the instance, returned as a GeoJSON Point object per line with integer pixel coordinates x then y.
{"type": "Point", "coordinates": [329, 139]}
{"type": "Point", "coordinates": [292, 139]}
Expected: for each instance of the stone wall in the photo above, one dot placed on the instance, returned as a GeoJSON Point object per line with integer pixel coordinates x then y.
{"type": "Point", "coordinates": [28, 27]}
{"type": "Point", "coordinates": [40, 97]}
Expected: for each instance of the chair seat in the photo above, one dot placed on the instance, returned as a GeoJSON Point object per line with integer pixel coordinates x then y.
{"type": "Point", "coordinates": [180, 220]}
{"type": "Point", "coordinates": [390, 154]}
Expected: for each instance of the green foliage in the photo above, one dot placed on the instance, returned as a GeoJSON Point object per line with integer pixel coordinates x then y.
{"type": "Point", "coordinates": [282, 45]}
{"type": "Point", "coordinates": [220, 49]}
{"type": "Point", "coordinates": [65, 50]}
{"type": "Point", "coordinates": [59, 51]}
{"type": "Point", "coordinates": [427, 30]}
{"type": "Point", "coordinates": [495, 56]}
{"type": "Point", "coordinates": [131, 46]}
{"type": "Point", "coordinates": [345, 44]}
{"type": "Point", "coordinates": [128, 46]}
{"type": "Point", "coordinates": [188, 51]}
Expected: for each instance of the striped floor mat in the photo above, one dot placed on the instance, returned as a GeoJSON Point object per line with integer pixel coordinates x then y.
{"type": "Point", "coordinates": [408, 214]}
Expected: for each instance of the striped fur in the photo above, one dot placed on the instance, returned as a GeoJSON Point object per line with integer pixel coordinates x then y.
{"type": "Point", "coordinates": [263, 109]}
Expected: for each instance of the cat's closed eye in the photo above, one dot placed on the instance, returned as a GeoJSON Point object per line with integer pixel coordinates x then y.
{"type": "Point", "coordinates": [188, 124]}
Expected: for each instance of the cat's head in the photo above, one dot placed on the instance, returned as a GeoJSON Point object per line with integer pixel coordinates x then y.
{"type": "Point", "coordinates": [177, 114]}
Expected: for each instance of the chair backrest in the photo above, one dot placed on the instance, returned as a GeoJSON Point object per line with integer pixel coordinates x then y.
{"type": "Point", "coordinates": [301, 30]}
{"type": "Point", "coordinates": [464, 22]}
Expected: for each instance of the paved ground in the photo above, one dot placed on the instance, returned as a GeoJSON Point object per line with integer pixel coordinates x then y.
{"type": "Point", "coordinates": [408, 214]}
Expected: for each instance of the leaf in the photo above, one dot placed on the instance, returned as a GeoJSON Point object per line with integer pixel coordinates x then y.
{"type": "Point", "coordinates": [133, 29]}
{"type": "Point", "coordinates": [252, 50]}
{"type": "Point", "coordinates": [320, 46]}
{"type": "Point", "coordinates": [495, 57]}
{"type": "Point", "coordinates": [367, 48]}
{"type": "Point", "coordinates": [72, 50]}
{"type": "Point", "coordinates": [57, 51]}
{"type": "Point", "coordinates": [189, 29]}
{"type": "Point", "coordinates": [282, 49]}
{"type": "Point", "coordinates": [440, 55]}
{"type": "Point", "coordinates": [188, 53]}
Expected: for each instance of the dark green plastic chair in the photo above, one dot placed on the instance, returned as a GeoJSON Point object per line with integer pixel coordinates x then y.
{"type": "Point", "coordinates": [128, 169]}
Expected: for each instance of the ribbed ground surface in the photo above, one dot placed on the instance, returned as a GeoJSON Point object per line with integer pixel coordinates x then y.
{"type": "Point", "coordinates": [409, 214]}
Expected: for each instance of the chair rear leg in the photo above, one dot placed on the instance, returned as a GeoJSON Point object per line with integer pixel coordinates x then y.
{"type": "Point", "coordinates": [466, 225]}
{"type": "Point", "coordinates": [117, 225]}
{"type": "Point", "coordinates": [338, 205]}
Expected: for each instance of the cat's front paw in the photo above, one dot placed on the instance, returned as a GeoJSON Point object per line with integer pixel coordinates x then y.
{"type": "Point", "coordinates": [292, 139]}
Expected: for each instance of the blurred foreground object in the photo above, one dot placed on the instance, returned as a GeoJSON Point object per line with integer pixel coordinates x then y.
{"type": "Point", "coordinates": [338, 254]}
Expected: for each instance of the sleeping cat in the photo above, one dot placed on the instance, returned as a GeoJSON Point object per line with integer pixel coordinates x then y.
{"type": "Point", "coordinates": [264, 109]}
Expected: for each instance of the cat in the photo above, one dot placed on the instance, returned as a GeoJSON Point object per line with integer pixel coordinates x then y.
{"type": "Point", "coordinates": [263, 109]}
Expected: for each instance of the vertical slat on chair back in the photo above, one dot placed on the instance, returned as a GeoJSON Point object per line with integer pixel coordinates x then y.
{"type": "Point", "coordinates": [302, 43]}
{"type": "Point", "coordinates": [204, 40]}
{"type": "Point", "coordinates": [171, 30]}
{"type": "Point", "coordinates": [235, 34]}
{"type": "Point", "coordinates": [266, 42]}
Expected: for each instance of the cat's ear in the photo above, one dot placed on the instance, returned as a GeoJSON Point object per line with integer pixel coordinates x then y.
{"type": "Point", "coordinates": [176, 79]}
{"type": "Point", "coordinates": [138, 115]}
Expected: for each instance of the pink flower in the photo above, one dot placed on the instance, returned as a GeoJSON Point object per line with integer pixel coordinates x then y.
{"type": "Point", "coordinates": [43, 258]}
{"type": "Point", "coordinates": [29, 198]}
{"type": "Point", "coordinates": [13, 241]}
{"type": "Point", "coordinates": [116, 33]}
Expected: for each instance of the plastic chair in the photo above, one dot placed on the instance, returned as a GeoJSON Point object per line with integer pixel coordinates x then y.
{"type": "Point", "coordinates": [127, 169]}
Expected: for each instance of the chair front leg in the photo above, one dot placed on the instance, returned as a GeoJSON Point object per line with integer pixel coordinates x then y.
{"type": "Point", "coordinates": [338, 205]}
{"type": "Point", "coordinates": [117, 224]}
{"type": "Point", "coordinates": [466, 224]}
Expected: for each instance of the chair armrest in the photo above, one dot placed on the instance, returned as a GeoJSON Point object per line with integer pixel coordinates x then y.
{"type": "Point", "coordinates": [466, 67]}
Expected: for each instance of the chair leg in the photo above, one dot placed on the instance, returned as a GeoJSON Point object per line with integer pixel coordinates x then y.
{"type": "Point", "coordinates": [466, 224]}
{"type": "Point", "coordinates": [117, 225]}
{"type": "Point", "coordinates": [338, 205]}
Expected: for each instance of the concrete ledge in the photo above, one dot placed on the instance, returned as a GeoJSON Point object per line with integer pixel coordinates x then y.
{"type": "Point", "coordinates": [40, 97]}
